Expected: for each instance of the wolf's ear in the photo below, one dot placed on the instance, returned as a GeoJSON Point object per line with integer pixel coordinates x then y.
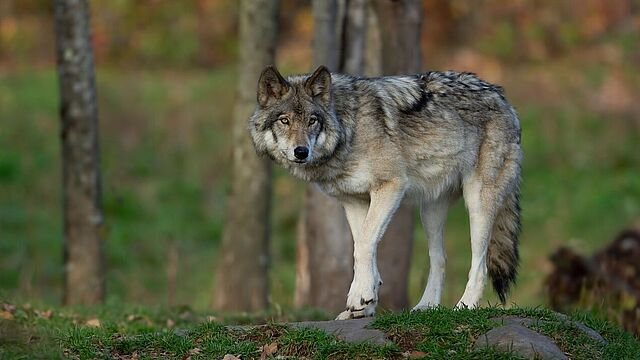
{"type": "Point", "coordinates": [318, 85]}
{"type": "Point", "coordinates": [271, 86]}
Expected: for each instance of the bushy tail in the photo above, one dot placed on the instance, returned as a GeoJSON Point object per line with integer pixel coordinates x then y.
{"type": "Point", "coordinates": [502, 255]}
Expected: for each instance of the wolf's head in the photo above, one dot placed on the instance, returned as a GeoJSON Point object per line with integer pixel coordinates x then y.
{"type": "Point", "coordinates": [294, 122]}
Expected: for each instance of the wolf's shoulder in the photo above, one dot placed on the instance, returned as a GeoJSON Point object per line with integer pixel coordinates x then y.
{"type": "Point", "coordinates": [453, 82]}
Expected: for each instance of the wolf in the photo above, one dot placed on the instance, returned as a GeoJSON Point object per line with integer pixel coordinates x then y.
{"type": "Point", "coordinates": [370, 142]}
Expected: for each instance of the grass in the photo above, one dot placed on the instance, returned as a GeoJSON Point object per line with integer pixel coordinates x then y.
{"type": "Point", "coordinates": [123, 332]}
{"type": "Point", "coordinates": [448, 333]}
{"type": "Point", "coordinates": [165, 157]}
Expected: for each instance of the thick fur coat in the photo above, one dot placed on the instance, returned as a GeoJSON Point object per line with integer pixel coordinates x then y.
{"type": "Point", "coordinates": [369, 142]}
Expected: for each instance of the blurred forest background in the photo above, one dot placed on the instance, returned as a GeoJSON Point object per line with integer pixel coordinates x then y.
{"type": "Point", "coordinates": [166, 78]}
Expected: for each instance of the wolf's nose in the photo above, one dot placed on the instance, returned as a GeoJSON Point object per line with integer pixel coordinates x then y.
{"type": "Point", "coordinates": [301, 152]}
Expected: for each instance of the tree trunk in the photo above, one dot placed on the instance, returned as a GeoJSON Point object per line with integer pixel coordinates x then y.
{"type": "Point", "coordinates": [323, 271]}
{"type": "Point", "coordinates": [324, 253]}
{"type": "Point", "coordinates": [241, 281]}
{"type": "Point", "coordinates": [326, 49]}
{"type": "Point", "coordinates": [373, 50]}
{"type": "Point", "coordinates": [400, 23]}
{"type": "Point", "coordinates": [354, 37]}
{"type": "Point", "coordinates": [82, 209]}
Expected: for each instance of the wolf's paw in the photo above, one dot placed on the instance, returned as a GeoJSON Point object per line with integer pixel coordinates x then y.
{"type": "Point", "coordinates": [362, 299]}
{"type": "Point", "coordinates": [425, 306]}
{"type": "Point", "coordinates": [464, 305]}
{"type": "Point", "coordinates": [366, 311]}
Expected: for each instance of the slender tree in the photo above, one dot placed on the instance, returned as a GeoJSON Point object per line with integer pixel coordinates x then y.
{"type": "Point", "coordinates": [353, 37]}
{"type": "Point", "coordinates": [241, 281]}
{"type": "Point", "coordinates": [82, 209]}
{"type": "Point", "coordinates": [324, 258]}
{"type": "Point", "coordinates": [322, 269]}
{"type": "Point", "coordinates": [399, 25]}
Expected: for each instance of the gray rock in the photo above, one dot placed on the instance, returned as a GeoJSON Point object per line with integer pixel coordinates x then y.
{"type": "Point", "coordinates": [521, 341]}
{"type": "Point", "coordinates": [348, 330]}
{"type": "Point", "coordinates": [590, 332]}
{"type": "Point", "coordinates": [528, 322]}
{"type": "Point", "coordinates": [585, 329]}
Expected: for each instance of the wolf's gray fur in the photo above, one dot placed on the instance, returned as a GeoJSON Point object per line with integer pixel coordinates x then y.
{"type": "Point", "coordinates": [369, 142]}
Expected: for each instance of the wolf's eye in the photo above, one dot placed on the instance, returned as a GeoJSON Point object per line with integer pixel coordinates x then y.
{"type": "Point", "coordinates": [284, 120]}
{"type": "Point", "coordinates": [312, 120]}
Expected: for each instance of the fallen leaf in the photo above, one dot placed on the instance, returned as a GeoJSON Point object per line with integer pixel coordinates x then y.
{"type": "Point", "coordinates": [461, 328]}
{"type": "Point", "coordinates": [5, 315]}
{"type": "Point", "coordinates": [268, 350]}
{"type": "Point", "coordinates": [194, 351]}
{"type": "Point", "coordinates": [413, 354]}
{"type": "Point", "coordinates": [8, 307]}
{"type": "Point", "coordinates": [44, 314]}
{"type": "Point", "coordinates": [94, 323]}
{"type": "Point", "coordinates": [230, 357]}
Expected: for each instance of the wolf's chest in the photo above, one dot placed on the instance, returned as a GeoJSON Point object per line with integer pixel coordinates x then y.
{"type": "Point", "coordinates": [355, 183]}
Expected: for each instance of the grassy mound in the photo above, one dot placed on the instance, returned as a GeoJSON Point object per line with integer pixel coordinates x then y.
{"type": "Point", "coordinates": [125, 333]}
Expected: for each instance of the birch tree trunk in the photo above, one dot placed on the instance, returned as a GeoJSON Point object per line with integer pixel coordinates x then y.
{"type": "Point", "coordinates": [399, 22]}
{"type": "Point", "coordinates": [84, 281]}
{"type": "Point", "coordinates": [325, 248]}
{"type": "Point", "coordinates": [241, 281]}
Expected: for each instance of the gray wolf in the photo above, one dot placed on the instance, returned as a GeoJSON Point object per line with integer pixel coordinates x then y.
{"type": "Point", "coordinates": [370, 142]}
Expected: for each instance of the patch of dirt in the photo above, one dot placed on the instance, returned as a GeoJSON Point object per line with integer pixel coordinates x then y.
{"type": "Point", "coordinates": [406, 339]}
{"type": "Point", "coordinates": [263, 334]}
{"type": "Point", "coordinates": [299, 350]}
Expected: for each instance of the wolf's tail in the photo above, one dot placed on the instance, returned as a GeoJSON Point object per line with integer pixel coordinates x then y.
{"type": "Point", "coordinates": [502, 255]}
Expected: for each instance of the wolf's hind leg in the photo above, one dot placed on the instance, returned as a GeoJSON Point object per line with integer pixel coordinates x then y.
{"type": "Point", "coordinates": [434, 215]}
{"type": "Point", "coordinates": [484, 193]}
{"type": "Point", "coordinates": [363, 293]}
{"type": "Point", "coordinates": [481, 217]}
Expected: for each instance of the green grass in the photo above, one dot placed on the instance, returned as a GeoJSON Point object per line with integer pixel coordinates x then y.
{"type": "Point", "coordinates": [165, 155]}
{"type": "Point", "coordinates": [447, 333]}
{"type": "Point", "coordinates": [175, 333]}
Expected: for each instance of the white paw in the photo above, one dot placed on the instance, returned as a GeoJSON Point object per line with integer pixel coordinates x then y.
{"type": "Point", "coordinates": [356, 313]}
{"type": "Point", "coordinates": [425, 306]}
{"type": "Point", "coordinates": [362, 294]}
{"type": "Point", "coordinates": [362, 299]}
{"type": "Point", "coordinates": [463, 304]}
{"type": "Point", "coordinates": [460, 305]}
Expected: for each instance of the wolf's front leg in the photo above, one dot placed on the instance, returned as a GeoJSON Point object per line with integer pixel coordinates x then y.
{"type": "Point", "coordinates": [363, 293]}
